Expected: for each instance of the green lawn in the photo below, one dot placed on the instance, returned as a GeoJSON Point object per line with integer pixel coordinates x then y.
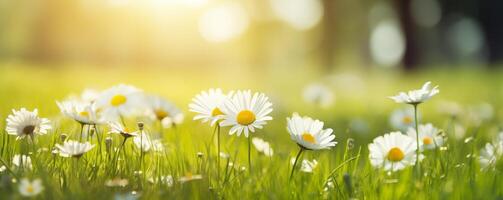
{"type": "Point", "coordinates": [360, 112]}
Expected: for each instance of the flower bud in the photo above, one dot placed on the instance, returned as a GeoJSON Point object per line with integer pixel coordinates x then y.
{"type": "Point", "coordinates": [108, 143]}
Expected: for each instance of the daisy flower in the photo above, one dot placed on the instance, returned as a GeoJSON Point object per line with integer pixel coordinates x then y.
{"type": "Point", "coordinates": [73, 148]}
{"type": "Point", "coordinates": [429, 137]}
{"type": "Point", "coordinates": [309, 133]}
{"type": "Point", "coordinates": [144, 143]}
{"type": "Point", "coordinates": [22, 161]}
{"type": "Point", "coordinates": [393, 151]}
{"type": "Point", "coordinates": [208, 105]}
{"type": "Point", "coordinates": [415, 97]}
{"type": "Point", "coordinates": [25, 123]}
{"type": "Point", "coordinates": [450, 108]}
{"type": "Point", "coordinates": [29, 188]}
{"type": "Point", "coordinates": [402, 119]}
{"type": "Point", "coordinates": [121, 100]}
{"type": "Point", "coordinates": [90, 95]}
{"type": "Point", "coordinates": [164, 111]}
{"type": "Point", "coordinates": [480, 113]}
{"type": "Point", "coordinates": [318, 94]}
{"type": "Point", "coordinates": [262, 146]}
{"type": "Point", "coordinates": [492, 154]}
{"type": "Point", "coordinates": [306, 165]}
{"type": "Point", "coordinates": [84, 113]}
{"type": "Point", "coordinates": [245, 112]}
{"type": "Point", "coordinates": [117, 128]}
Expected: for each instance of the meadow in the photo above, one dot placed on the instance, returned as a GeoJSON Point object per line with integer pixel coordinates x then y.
{"type": "Point", "coordinates": [186, 163]}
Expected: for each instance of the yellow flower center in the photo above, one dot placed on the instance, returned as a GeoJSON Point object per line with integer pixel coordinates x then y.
{"type": "Point", "coordinates": [118, 100]}
{"type": "Point", "coordinates": [161, 114]}
{"type": "Point", "coordinates": [427, 140]}
{"type": "Point", "coordinates": [84, 114]}
{"type": "Point", "coordinates": [245, 117]}
{"type": "Point", "coordinates": [407, 120]}
{"type": "Point", "coordinates": [188, 175]}
{"type": "Point", "coordinates": [308, 138]}
{"type": "Point", "coordinates": [126, 130]}
{"type": "Point", "coordinates": [217, 112]}
{"type": "Point", "coordinates": [395, 154]}
{"type": "Point", "coordinates": [30, 189]}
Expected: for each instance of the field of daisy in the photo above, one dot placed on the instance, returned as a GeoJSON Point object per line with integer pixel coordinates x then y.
{"type": "Point", "coordinates": [89, 133]}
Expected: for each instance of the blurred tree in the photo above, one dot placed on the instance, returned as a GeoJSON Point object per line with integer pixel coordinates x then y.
{"type": "Point", "coordinates": [328, 36]}
{"type": "Point", "coordinates": [410, 57]}
{"type": "Point", "coordinates": [490, 17]}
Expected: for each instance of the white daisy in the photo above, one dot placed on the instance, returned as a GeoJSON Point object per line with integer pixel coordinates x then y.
{"type": "Point", "coordinates": [318, 94]}
{"type": "Point", "coordinates": [262, 146]}
{"type": "Point", "coordinates": [309, 134]}
{"type": "Point", "coordinates": [306, 166]}
{"type": "Point", "coordinates": [402, 119]}
{"type": "Point", "coordinates": [492, 154]}
{"type": "Point", "coordinates": [117, 128]}
{"type": "Point", "coordinates": [22, 161]}
{"type": "Point", "coordinates": [393, 151]}
{"type": "Point", "coordinates": [450, 108]}
{"type": "Point", "coordinates": [29, 188]}
{"type": "Point", "coordinates": [90, 95]}
{"type": "Point", "coordinates": [164, 111]}
{"type": "Point", "coordinates": [245, 112]}
{"type": "Point", "coordinates": [25, 123]}
{"type": "Point", "coordinates": [429, 137]}
{"type": "Point", "coordinates": [73, 148]}
{"type": "Point", "coordinates": [84, 113]}
{"type": "Point", "coordinates": [208, 105]}
{"type": "Point", "coordinates": [416, 96]}
{"type": "Point", "coordinates": [120, 100]}
{"type": "Point", "coordinates": [480, 113]}
{"type": "Point", "coordinates": [145, 144]}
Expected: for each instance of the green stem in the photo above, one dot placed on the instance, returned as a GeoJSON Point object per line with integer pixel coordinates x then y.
{"type": "Point", "coordinates": [249, 154]}
{"type": "Point", "coordinates": [118, 153]}
{"type": "Point", "coordinates": [81, 131]}
{"type": "Point", "coordinates": [218, 152]}
{"type": "Point", "coordinates": [161, 129]}
{"type": "Point", "coordinates": [417, 140]}
{"type": "Point", "coordinates": [295, 162]}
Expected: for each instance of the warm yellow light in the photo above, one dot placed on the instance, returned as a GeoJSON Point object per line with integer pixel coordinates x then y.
{"type": "Point", "coordinates": [223, 22]}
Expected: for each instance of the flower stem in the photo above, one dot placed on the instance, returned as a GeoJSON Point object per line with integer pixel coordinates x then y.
{"type": "Point", "coordinates": [249, 154]}
{"type": "Point", "coordinates": [118, 153]}
{"type": "Point", "coordinates": [295, 162]}
{"type": "Point", "coordinates": [81, 131]}
{"type": "Point", "coordinates": [218, 152]}
{"type": "Point", "coordinates": [417, 140]}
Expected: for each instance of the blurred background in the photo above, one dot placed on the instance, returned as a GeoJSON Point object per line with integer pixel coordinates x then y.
{"type": "Point", "coordinates": [318, 34]}
{"type": "Point", "coordinates": [336, 60]}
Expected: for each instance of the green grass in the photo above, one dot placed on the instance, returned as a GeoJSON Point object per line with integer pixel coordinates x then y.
{"type": "Point", "coordinates": [450, 174]}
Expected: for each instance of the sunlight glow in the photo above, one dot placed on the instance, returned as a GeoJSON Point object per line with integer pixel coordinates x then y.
{"type": "Point", "coordinates": [223, 22]}
{"type": "Point", "coordinates": [300, 14]}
